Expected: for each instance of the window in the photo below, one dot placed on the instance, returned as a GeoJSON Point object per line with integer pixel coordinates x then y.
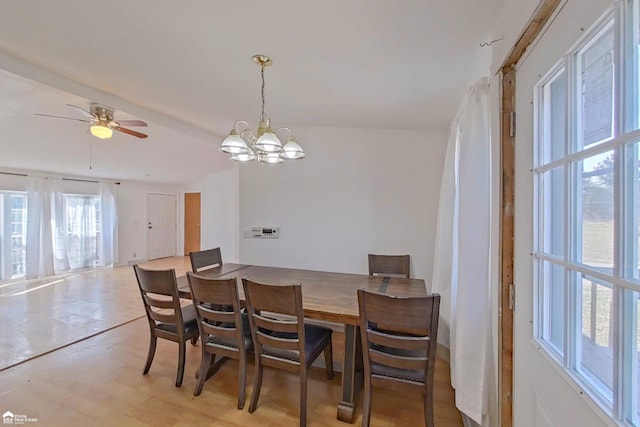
{"type": "Point", "coordinates": [76, 235]}
{"type": "Point", "coordinates": [587, 219]}
{"type": "Point", "coordinates": [77, 240]}
{"type": "Point", "coordinates": [13, 225]}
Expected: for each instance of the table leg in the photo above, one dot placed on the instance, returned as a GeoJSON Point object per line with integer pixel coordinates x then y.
{"type": "Point", "coordinates": [350, 367]}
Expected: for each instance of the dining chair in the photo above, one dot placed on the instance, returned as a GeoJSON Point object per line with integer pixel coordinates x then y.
{"type": "Point", "coordinates": [202, 260]}
{"type": "Point", "coordinates": [281, 339]}
{"type": "Point", "coordinates": [399, 336]}
{"type": "Point", "coordinates": [224, 331]}
{"type": "Point", "coordinates": [389, 264]}
{"type": "Point", "coordinates": [167, 319]}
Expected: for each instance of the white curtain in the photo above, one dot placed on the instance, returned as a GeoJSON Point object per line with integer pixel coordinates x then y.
{"type": "Point", "coordinates": [61, 259]}
{"type": "Point", "coordinates": [82, 237]}
{"type": "Point", "coordinates": [109, 224]}
{"type": "Point", "coordinates": [42, 197]}
{"type": "Point", "coordinates": [463, 260]}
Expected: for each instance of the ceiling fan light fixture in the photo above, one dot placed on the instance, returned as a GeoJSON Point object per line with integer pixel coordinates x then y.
{"type": "Point", "coordinates": [101, 131]}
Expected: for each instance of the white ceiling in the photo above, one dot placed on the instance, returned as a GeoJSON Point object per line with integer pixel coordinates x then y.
{"type": "Point", "coordinates": [185, 67]}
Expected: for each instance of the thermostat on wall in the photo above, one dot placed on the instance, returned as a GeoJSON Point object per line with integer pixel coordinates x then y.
{"type": "Point", "coordinates": [263, 233]}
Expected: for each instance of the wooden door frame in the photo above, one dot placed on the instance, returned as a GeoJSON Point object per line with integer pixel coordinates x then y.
{"type": "Point", "coordinates": [186, 218]}
{"type": "Point", "coordinates": [534, 27]}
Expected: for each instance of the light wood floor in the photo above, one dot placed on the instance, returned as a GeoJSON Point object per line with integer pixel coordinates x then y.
{"type": "Point", "coordinates": [98, 380]}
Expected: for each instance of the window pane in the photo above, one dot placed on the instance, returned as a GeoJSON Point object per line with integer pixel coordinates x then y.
{"type": "Point", "coordinates": [595, 355]}
{"type": "Point", "coordinates": [631, 356]}
{"type": "Point", "coordinates": [594, 211]}
{"type": "Point", "coordinates": [632, 52]}
{"type": "Point", "coordinates": [554, 117]}
{"type": "Point", "coordinates": [552, 214]}
{"type": "Point", "coordinates": [77, 246]}
{"type": "Point", "coordinates": [18, 234]}
{"type": "Point", "coordinates": [595, 79]}
{"type": "Point", "coordinates": [632, 211]}
{"type": "Point", "coordinates": [553, 288]}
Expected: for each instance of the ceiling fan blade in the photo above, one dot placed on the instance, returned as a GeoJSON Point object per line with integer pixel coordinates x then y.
{"type": "Point", "coordinates": [132, 123]}
{"type": "Point", "coordinates": [82, 111]}
{"type": "Point", "coordinates": [60, 117]}
{"type": "Point", "coordinates": [131, 132]}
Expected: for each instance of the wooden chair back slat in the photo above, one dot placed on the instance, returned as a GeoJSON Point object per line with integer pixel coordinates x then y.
{"type": "Point", "coordinates": [277, 342]}
{"type": "Point", "coordinates": [286, 299]}
{"type": "Point", "coordinates": [208, 258]}
{"type": "Point", "coordinates": [157, 302]}
{"type": "Point", "coordinates": [395, 361]}
{"type": "Point", "coordinates": [275, 325]}
{"type": "Point", "coordinates": [216, 315]}
{"type": "Point", "coordinates": [400, 314]}
{"type": "Point", "coordinates": [389, 264]}
{"type": "Point", "coordinates": [398, 341]}
{"type": "Point", "coordinates": [219, 331]}
{"type": "Point", "coordinates": [163, 317]}
{"type": "Point", "coordinates": [161, 282]}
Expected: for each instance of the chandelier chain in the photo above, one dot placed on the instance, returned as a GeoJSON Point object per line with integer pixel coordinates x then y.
{"type": "Point", "coordinates": [262, 116]}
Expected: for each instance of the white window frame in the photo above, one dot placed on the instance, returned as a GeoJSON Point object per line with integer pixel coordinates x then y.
{"type": "Point", "coordinates": [6, 221]}
{"type": "Point", "coordinates": [622, 406]}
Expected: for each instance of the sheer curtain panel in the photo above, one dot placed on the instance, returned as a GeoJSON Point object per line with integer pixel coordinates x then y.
{"type": "Point", "coordinates": [462, 264]}
{"type": "Point", "coordinates": [109, 224]}
{"type": "Point", "coordinates": [39, 251]}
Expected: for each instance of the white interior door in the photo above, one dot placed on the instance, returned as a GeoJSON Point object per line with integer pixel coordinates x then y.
{"type": "Point", "coordinates": [544, 393]}
{"type": "Point", "coordinates": [161, 226]}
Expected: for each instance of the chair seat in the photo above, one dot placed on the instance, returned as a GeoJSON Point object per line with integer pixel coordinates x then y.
{"type": "Point", "coordinates": [316, 338]}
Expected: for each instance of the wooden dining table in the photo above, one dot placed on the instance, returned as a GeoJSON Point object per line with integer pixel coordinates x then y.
{"type": "Point", "coordinates": [326, 297]}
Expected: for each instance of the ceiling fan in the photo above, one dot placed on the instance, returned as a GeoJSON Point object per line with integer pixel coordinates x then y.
{"type": "Point", "coordinates": [102, 121]}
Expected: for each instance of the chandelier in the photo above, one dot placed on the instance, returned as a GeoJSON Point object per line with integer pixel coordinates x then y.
{"type": "Point", "coordinates": [263, 146]}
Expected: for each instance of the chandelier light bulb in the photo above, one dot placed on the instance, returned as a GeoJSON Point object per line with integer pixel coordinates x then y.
{"type": "Point", "coordinates": [234, 144]}
{"type": "Point", "coordinates": [292, 150]}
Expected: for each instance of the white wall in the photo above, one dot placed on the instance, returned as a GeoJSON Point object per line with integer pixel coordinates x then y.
{"type": "Point", "coordinates": [132, 207]}
{"type": "Point", "coordinates": [219, 213]}
{"type": "Point", "coordinates": [133, 215]}
{"type": "Point", "coordinates": [511, 21]}
{"type": "Point", "coordinates": [358, 191]}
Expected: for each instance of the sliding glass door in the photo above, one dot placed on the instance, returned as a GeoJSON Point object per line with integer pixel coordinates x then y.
{"type": "Point", "coordinates": [13, 234]}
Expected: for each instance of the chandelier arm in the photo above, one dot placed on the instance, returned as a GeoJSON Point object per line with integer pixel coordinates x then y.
{"type": "Point", "coordinates": [287, 129]}
{"type": "Point", "coordinates": [235, 126]}
{"type": "Point", "coordinates": [248, 136]}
